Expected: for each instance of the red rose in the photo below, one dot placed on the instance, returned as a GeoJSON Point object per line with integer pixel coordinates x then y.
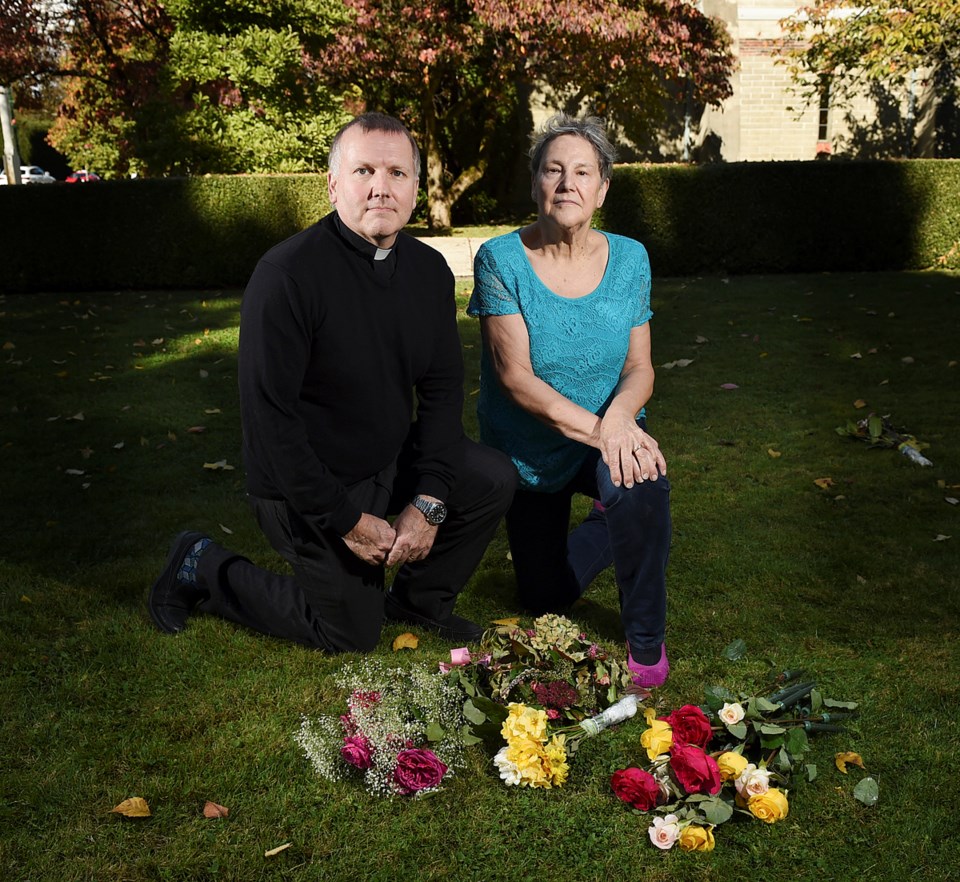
{"type": "Point", "coordinates": [417, 769]}
{"type": "Point", "coordinates": [636, 788]}
{"type": "Point", "coordinates": [696, 771]}
{"type": "Point", "coordinates": [690, 726]}
{"type": "Point", "coordinates": [356, 751]}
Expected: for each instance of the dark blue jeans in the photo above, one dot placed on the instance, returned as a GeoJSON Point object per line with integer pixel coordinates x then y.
{"type": "Point", "coordinates": [554, 566]}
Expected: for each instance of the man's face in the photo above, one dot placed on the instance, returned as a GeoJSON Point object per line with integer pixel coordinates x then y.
{"type": "Point", "coordinates": [375, 187]}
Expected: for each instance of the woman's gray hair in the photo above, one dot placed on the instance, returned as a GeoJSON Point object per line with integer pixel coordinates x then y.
{"type": "Point", "coordinates": [372, 122]}
{"type": "Point", "coordinates": [590, 128]}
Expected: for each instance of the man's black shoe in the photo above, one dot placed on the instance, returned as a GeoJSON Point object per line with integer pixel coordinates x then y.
{"type": "Point", "coordinates": [453, 628]}
{"type": "Point", "coordinates": [170, 600]}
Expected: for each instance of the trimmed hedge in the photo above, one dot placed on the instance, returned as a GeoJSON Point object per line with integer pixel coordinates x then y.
{"type": "Point", "coordinates": [790, 216]}
{"type": "Point", "coordinates": [205, 232]}
{"type": "Point", "coordinates": [730, 217]}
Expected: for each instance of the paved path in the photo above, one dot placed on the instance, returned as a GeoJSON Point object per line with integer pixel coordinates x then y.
{"type": "Point", "coordinates": [459, 252]}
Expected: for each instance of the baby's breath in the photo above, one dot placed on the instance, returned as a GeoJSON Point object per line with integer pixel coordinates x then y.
{"type": "Point", "coordinates": [392, 708]}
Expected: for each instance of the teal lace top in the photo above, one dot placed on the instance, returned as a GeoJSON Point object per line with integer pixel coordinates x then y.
{"type": "Point", "coordinates": [577, 345]}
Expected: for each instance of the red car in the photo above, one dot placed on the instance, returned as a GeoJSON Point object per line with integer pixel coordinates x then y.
{"type": "Point", "coordinates": [82, 176]}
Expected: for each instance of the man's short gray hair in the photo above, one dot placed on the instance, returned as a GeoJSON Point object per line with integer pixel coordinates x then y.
{"type": "Point", "coordinates": [590, 128]}
{"type": "Point", "coordinates": [372, 122]}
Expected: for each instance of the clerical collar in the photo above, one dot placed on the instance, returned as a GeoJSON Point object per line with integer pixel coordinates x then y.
{"type": "Point", "coordinates": [361, 244]}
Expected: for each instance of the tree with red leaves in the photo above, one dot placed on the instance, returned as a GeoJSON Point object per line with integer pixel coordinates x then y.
{"type": "Point", "coordinates": [456, 69]}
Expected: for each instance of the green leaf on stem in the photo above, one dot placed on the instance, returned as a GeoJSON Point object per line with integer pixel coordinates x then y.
{"type": "Point", "coordinates": [811, 771]}
{"type": "Point", "coordinates": [738, 730]}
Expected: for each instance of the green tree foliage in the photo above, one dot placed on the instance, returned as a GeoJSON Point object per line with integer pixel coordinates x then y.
{"type": "Point", "coordinates": [455, 69]}
{"type": "Point", "coordinates": [194, 86]}
{"type": "Point", "coordinates": [885, 42]}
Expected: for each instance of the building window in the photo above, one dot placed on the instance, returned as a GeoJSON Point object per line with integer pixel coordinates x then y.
{"type": "Point", "coordinates": [823, 121]}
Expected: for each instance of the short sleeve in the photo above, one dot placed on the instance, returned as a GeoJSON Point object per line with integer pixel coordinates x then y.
{"type": "Point", "coordinates": [641, 283]}
{"type": "Point", "coordinates": [491, 295]}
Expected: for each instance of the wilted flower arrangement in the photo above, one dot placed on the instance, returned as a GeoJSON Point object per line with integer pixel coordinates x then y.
{"type": "Point", "coordinates": [403, 731]}
{"type": "Point", "coordinates": [878, 431]}
{"type": "Point", "coordinates": [734, 755]}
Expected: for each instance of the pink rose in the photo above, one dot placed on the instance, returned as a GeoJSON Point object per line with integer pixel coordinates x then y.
{"type": "Point", "coordinates": [690, 726]}
{"type": "Point", "coordinates": [417, 769]}
{"type": "Point", "coordinates": [637, 788]}
{"type": "Point", "coordinates": [696, 771]}
{"type": "Point", "coordinates": [356, 751]}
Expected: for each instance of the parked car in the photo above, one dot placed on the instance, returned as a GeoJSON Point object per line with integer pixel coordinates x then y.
{"type": "Point", "coordinates": [82, 176]}
{"type": "Point", "coordinates": [29, 174]}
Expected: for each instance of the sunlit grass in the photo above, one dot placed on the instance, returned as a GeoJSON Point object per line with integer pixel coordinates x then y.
{"type": "Point", "coordinates": [101, 469]}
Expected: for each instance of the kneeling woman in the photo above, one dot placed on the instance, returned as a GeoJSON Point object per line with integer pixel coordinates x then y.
{"type": "Point", "coordinates": [565, 372]}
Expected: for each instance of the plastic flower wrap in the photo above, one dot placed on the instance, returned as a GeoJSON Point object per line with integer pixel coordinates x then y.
{"type": "Point", "coordinates": [403, 731]}
{"type": "Point", "coordinates": [733, 755]}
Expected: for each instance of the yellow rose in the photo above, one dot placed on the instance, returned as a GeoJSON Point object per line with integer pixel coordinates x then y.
{"type": "Point", "coordinates": [696, 838]}
{"type": "Point", "coordinates": [769, 807]}
{"type": "Point", "coordinates": [658, 738]}
{"type": "Point", "coordinates": [731, 764]}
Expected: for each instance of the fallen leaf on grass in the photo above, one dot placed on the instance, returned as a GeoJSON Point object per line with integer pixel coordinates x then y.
{"type": "Point", "coordinates": [25, 599]}
{"type": "Point", "coordinates": [219, 464]}
{"type": "Point", "coordinates": [940, 538]}
{"type": "Point", "coordinates": [212, 410]}
{"type": "Point", "coordinates": [773, 454]}
{"type": "Point", "coordinates": [824, 483]}
{"type": "Point", "coordinates": [226, 530]}
{"type": "Point", "coordinates": [848, 758]}
{"type": "Point", "coordinates": [405, 641]}
{"type": "Point", "coordinates": [907, 359]}
{"type": "Point", "coordinates": [77, 416]}
{"type": "Point", "coordinates": [951, 500]}
{"type": "Point", "coordinates": [859, 403]}
{"type": "Point", "coordinates": [701, 339]}
{"type": "Point", "coordinates": [196, 430]}
{"type": "Point", "coordinates": [680, 362]}
{"type": "Point", "coordinates": [867, 791]}
{"type": "Point", "coordinates": [729, 386]}
{"type": "Point", "coordinates": [856, 355]}
{"type": "Point", "coordinates": [506, 622]}
{"type": "Point", "coordinates": [74, 472]}
{"type": "Point", "coordinates": [135, 807]}
{"type": "Point", "coordinates": [8, 345]}
{"type": "Point", "coordinates": [277, 850]}
{"type": "Point", "coordinates": [212, 810]}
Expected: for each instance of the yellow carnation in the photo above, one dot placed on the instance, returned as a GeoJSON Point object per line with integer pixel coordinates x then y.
{"type": "Point", "coordinates": [696, 838]}
{"type": "Point", "coordinates": [731, 764]}
{"type": "Point", "coordinates": [769, 807]}
{"type": "Point", "coordinates": [555, 752]}
{"type": "Point", "coordinates": [524, 722]}
{"type": "Point", "coordinates": [658, 738]}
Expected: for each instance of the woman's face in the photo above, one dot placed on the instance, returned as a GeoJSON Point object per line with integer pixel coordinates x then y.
{"type": "Point", "coordinates": [568, 188]}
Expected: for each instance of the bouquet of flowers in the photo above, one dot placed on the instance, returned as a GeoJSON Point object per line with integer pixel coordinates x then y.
{"type": "Point", "coordinates": [536, 693]}
{"type": "Point", "coordinates": [733, 755]}
{"type": "Point", "coordinates": [877, 431]}
{"type": "Point", "coordinates": [403, 731]}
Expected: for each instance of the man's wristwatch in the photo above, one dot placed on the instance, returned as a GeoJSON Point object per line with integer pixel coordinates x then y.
{"type": "Point", "coordinates": [434, 512]}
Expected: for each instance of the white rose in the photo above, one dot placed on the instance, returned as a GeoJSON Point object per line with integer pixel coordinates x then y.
{"type": "Point", "coordinates": [753, 781]}
{"type": "Point", "coordinates": [664, 832]}
{"type": "Point", "coordinates": [731, 713]}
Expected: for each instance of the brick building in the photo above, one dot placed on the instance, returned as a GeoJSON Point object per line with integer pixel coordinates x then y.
{"type": "Point", "coordinates": [765, 119]}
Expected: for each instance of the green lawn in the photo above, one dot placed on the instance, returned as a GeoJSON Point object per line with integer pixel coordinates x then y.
{"type": "Point", "coordinates": [103, 397]}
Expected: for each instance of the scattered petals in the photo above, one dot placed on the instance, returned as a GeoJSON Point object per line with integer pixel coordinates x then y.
{"type": "Point", "coordinates": [135, 807]}
{"type": "Point", "coordinates": [405, 641]}
{"type": "Point", "coordinates": [848, 758]}
{"type": "Point", "coordinates": [212, 810]}
{"type": "Point", "coordinates": [729, 386]}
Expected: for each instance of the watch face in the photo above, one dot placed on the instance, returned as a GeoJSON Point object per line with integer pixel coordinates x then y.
{"type": "Point", "coordinates": [434, 512]}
